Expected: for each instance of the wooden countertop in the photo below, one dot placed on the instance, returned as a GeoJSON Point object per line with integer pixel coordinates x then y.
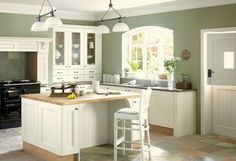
{"type": "Point", "coordinates": [88, 98]}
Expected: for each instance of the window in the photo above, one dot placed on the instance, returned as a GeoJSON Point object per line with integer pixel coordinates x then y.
{"type": "Point", "coordinates": [147, 47]}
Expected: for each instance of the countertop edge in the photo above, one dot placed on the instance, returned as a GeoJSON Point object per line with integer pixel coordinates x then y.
{"type": "Point", "coordinates": [153, 88]}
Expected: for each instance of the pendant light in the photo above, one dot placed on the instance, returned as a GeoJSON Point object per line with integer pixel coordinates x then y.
{"type": "Point", "coordinates": [119, 27]}
{"type": "Point", "coordinates": [51, 22]}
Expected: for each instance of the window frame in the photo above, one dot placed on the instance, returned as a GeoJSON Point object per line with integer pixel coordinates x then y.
{"type": "Point", "coordinates": [127, 40]}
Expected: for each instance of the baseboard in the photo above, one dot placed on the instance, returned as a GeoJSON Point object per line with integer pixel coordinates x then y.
{"type": "Point", "coordinates": [44, 154]}
{"type": "Point", "coordinates": [161, 129]}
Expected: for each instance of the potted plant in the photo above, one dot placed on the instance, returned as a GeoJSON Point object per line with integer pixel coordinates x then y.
{"type": "Point", "coordinates": [170, 65]}
{"type": "Point", "coordinates": [134, 67]}
{"type": "Point", "coordinates": [184, 81]}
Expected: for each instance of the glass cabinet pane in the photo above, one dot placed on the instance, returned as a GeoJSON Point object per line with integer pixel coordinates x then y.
{"type": "Point", "coordinates": [75, 55]}
{"type": "Point", "coordinates": [60, 48]}
{"type": "Point", "coordinates": [91, 49]}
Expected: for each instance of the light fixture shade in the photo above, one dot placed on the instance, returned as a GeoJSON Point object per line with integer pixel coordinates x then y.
{"type": "Point", "coordinates": [39, 26]}
{"type": "Point", "coordinates": [120, 27]}
{"type": "Point", "coordinates": [103, 29]}
{"type": "Point", "coordinates": [53, 22]}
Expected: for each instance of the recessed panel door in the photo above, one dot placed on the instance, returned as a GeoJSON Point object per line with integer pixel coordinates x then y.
{"type": "Point", "coordinates": [221, 58]}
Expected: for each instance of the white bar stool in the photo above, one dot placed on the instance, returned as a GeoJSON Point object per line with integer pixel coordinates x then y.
{"type": "Point", "coordinates": [141, 115]}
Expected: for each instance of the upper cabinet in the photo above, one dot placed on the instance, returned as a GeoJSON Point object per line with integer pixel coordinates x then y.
{"type": "Point", "coordinates": [77, 54]}
{"type": "Point", "coordinates": [92, 50]}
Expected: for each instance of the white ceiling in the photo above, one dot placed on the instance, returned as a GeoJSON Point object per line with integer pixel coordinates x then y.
{"type": "Point", "coordinates": [94, 9]}
{"type": "Point", "coordinates": [89, 5]}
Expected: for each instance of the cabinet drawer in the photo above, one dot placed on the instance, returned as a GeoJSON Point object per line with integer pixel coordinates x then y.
{"type": "Point", "coordinates": [59, 72]}
{"type": "Point", "coordinates": [75, 72]}
{"type": "Point", "coordinates": [45, 90]}
{"type": "Point", "coordinates": [75, 78]}
{"type": "Point", "coordinates": [91, 77]}
{"type": "Point", "coordinates": [58, 78]}
{"type": "Point", "coordinates": [91, 71]}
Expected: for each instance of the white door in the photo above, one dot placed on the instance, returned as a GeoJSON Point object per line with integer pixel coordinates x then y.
{"type": "Point", "coordinates": [221, 49]}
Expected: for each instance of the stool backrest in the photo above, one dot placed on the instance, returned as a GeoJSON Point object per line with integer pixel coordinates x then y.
{"type": "Point", "coordinates": [144, 102]}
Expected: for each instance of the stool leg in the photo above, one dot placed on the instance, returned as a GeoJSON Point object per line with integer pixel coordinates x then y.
{"type": "Point", "coordinates": [115, 138]}
{"type": "Point", "coordinates": [149, 144]}
{"type": "Point", "coordinates": [141, 140]}
{"type": "Point", "coordinates": [123, 134]}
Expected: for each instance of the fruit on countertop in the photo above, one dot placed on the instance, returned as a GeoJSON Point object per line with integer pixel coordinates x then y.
{"type": "Point", "coordinates": [72, 96]}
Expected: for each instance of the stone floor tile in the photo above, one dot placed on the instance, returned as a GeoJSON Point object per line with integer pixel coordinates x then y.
{"type": "Point", "coordinates": [226, 145]}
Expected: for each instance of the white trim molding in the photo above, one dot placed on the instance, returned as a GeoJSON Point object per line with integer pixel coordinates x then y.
{"type": "Point", "coordinates": [176, 5]}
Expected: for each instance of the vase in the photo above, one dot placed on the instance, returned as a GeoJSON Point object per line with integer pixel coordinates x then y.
{"type": "Point", "coordinates": [170, 82]}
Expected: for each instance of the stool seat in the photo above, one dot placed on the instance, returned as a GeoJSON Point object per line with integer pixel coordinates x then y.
{"type": "Point", "coordinates": [131, 111]}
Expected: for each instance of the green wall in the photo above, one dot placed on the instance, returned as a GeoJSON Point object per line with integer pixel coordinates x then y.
{"type": "Point", "coordinates": [186, 25]}
{"type": "Point", "coordinates": [18, 25]}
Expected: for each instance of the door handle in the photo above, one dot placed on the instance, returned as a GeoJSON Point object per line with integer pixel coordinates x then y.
{"type": "Point", "coordinates": [209, 73]}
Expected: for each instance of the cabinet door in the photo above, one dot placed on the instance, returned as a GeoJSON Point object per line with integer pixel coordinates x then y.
{"type": "Point", "coordinates": [29, 121]}
{"type": "Point", "coordinates": [60, 49]}
{"type": "Point", "coordinates": [42, 66]}
{"type": "Point", "coordinates": [92, 49]}
{"type": "Point", "coordinates": [71, 129]}
{"type": "Point", "coordinates": [50, 127]}
{"type": "Point", "coordinates": [161, 110]}
{"type": "Point", "coordinates": [75, 56]}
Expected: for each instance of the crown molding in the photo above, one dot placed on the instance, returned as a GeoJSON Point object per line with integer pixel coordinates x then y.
{"type": "Point", "coordinates": [167, 7]}
{"type": "Point", "coordinates": [34, 9]}
{"type": "Point", "coordinates": [129, 12]}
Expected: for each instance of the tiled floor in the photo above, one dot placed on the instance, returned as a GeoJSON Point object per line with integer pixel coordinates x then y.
{"type": "Point", "coordinates": [10, 140]}
{"type": "Point", "coordinates": [165, 148]}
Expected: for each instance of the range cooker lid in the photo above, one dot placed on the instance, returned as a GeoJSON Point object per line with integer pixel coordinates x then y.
{"type": "Point", "coordinates": [16, 81]}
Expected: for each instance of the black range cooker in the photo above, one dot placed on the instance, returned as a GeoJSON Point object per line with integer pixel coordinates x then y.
{"type": "Point", "coordinates": [10, 100]}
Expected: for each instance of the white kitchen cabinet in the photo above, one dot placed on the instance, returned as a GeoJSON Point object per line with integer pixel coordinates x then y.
{"type": "Point", "coordinates": [171, 109]}
{"type": "Point", "coordinates": [92, 50]}
{"type": "Point", "coordinates": [50, 126]}
{"type": "Point", "coordinates": [161, 110]}
{"type": "Point", "coordinates": [29, 121]}
{"type": "Point", "coordinates": [71, 120]}
{"type": "Point", "coordinates": [64, 130]}
{"type": "Point", "coordinates": [76, 49]}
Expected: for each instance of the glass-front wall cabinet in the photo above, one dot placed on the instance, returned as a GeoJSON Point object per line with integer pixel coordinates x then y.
{"type": "Point", "coordinates": [75, 46]}
{"type": "Point", "coordinates": [59, 56]}
{"type": "Point", "coordinates": [91, 50]}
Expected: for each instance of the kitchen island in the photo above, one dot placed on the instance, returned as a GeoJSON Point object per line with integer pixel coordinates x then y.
{"type": "Point", "coordinates": [56, 128]}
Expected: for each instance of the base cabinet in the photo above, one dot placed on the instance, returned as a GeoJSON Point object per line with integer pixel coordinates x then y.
{"type": "Point", "coordinates": [170, 109]}
{"type": "Point", "coordinates": [64, 130]}
{"type": "Point", "coordinates": [49, 127]}
{"type": "Point", "coordinates": [161, 110]}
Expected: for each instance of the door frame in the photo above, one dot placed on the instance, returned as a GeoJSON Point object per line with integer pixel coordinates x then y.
{"type": "Point", "coordinates": [206, 90]}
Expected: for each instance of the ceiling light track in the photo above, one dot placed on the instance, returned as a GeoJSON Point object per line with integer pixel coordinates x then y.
{"type": "Point", "coordinates": [119, 27]}
{"type": "Point", "coordinates": [51, 22]}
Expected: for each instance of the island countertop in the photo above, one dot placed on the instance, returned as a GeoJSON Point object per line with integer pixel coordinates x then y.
{"type": "Point", "coordinates": [88, 98]}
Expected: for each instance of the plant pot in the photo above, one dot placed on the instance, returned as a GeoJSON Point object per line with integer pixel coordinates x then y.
{"type": "Point", "coordinates": [183, 85]}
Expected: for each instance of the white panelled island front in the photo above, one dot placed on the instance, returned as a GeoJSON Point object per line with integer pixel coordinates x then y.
{"type": "Point", "coordinates": [56, 128]}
